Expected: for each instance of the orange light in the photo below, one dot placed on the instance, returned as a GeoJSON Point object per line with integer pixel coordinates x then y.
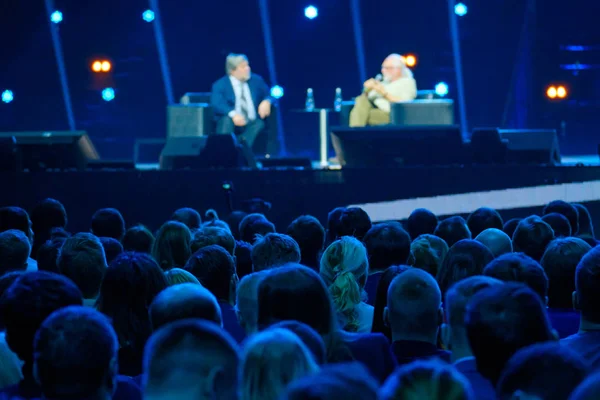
{"type": "Point", "coordinates": [561, 92]}
{"type": "Point", "coordinates": [97, 66]}
{"type": "Point", "coordinates": [106, 66]}
{"type": "Point", "coordinates": [410, 60]}
{"type": "Point", "coordinates": [551, 92]}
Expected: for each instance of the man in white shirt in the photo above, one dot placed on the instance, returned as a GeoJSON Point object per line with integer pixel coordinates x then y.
{"type": "Point", "coordinates": [373, 106]}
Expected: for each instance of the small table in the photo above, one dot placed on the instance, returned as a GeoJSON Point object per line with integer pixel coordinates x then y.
{"type": "Point", "coordinates": [323, 131]}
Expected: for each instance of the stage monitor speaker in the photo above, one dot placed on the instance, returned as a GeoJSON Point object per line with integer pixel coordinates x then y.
{"type": "Point", "coordinates": [394, 146]}
{"type": "Point", "coordinates": [189, 120]}
{"type": "Point", "coordinates": [52, 150]}
{"type": "Point", "coordinates": [532, 146]}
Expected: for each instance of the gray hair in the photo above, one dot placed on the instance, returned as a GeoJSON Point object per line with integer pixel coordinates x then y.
{"type": "Point", "coordinates": [232, 62]}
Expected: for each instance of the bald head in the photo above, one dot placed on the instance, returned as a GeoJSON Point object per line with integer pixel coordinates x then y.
{"type": "Point", "coordinates": [414, 306]}
{"type": "Point", "coordinates": [496, 240]}
{"type": "Point", "coordinates": [187, 300]}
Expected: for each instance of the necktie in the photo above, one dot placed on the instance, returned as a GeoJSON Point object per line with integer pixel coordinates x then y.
{"type": "Point", "coordinates": [244, 102]}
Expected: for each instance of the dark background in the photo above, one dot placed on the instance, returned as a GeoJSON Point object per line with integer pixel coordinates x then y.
{"type": "Point", "coordinates": [509, 56]}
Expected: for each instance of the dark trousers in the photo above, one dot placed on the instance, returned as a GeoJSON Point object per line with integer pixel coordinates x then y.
{"type": "Point", "coordinates": [247, 134]}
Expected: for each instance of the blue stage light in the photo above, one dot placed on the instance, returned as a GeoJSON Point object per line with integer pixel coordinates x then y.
{"type": "Point", "coordinates": [460, 9]}
{"type": "Point", "coordinates": [148, 15]}
{"type": "Point", "coordinates": [7, 96]}
{"type": "Point", "coordinates": [56, 17]}
{"type": "Point", "coordinates": [311, 12]}
{"type": "Point", "coordinates": [441, 89]}
{"type": "Point", "coordinates": [108, 94]}
{"type": "Point", "coordinates": [276, 92]}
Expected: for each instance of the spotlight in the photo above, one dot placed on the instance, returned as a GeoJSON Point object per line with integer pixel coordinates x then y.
{"type": "Point", "coordinates": [108, 94]}
{"type": "Point", "coordinates": [551, 92]}
{"type": "Point", "coordinates": [460, 9]}
{"type": "Point", "coordinates": [7, 96]}
{"type": "Point", "coordinates": [106, 66]}
{"type": "Point", "coordinates": [56, 17]}
{"type": "Point", "coordinates": [148, 15]}
{"type": "Point", "coordinates": [311, 12]}
{"type": "Point", "coordinates": [441, 89]}
{"type": "Point", "coordinates": [276, 92]}
{"type": "Point", "coordinates": [410, 60]}
{"type": "Point", "coordinates": [561, 92]}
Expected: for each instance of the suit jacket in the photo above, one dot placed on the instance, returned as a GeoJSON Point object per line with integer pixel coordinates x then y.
{"type": "Point", "coordinates": [222, 98]}
{"type": "Point", "coordinates": [373, 350]}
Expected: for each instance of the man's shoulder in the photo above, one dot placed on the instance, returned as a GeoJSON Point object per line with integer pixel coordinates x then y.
{"type": "Point", "coordinates": [221, 81]}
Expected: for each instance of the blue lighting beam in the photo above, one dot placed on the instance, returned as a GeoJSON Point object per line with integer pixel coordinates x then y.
{"type": "Point", "coordinates": [7, 96]}
{"type": "Point", "coordinates": [311, 12]}
{"type": "Point", "coordinates": [148, 15]}
{"type": "Point", "coordinates": [441, 89]}
{"type": "Point", "coordinates": [108, 94]}
{"type": "Point", "coordinates": [56, 17]}
{"type": "Point", "coordinates": [460, 9]}
{"type": "Point", "coordinates": [277, 92]}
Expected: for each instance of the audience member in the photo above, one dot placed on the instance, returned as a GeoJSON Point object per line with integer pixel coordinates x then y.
{"type": "Point", "coordinates": [510, 226]}
{"type": "Point", "coordinates": [212, 221]}
{"type": "Point", "coordinates": [209, 235]}
{"type": "Point", "coordinates": [47, 255]}
{"type": "Point", "coordinates": [45, 216]}
{"type": "Point", "coordinates": [466, 258]}
{"type": "Point", "coordinates": [311, 339]}
{"type": "Point", "coordinates": [379, 325]}
{"type": "Point", "coordinates": [414, 315]}
{"type": "Point", "coordinates": [247, 301]}
{"type": "Point", "coordinates": [546, 371]}
{"type": "Point", "coordinates": [424, 255]}
{"type": "Point", "coordinates": [430, 379]}
{"type": "Point", "coordinates": [16, 218]}
{"type": "Point", "coordinates": [243, 259]}
{"type": "Point", "coordinates": [586, 227]}
{"type": "Point", "coordinates": [455, 334]}
{"type": "Point", "coordinates": [177, 276]}
{"type": "Point", "coordinates": [559, 224]}
{"type": "Point", "coordinates": [215, 269]}
{"type": "Point", "coordinates": [421, 222]}
{"type": "Point", "coordinates": [189, 360]}
{"type": "Point", "coordinates": [344, 269]}
{"type": "Point", "coordinates": [274, 250]}
{"type": "Point", "coordinates": [484, 218]}
{"type": "Point", "coordinates": [253, 225]}
{"type": "Point", "coordinates": [308, 232]}
{"type": "Point", "coordinates": [532, 236]}
{"type": "Point", "coordinates": [518, 267]}
{"type": "Point", "coordinates": [589, 388]}
{"type": "Point", "coordinates": [233, 220]}
{"type": "Point", "coordinates": [566, 209]}
{"type": "Point", "coordinates": [15, 249]}
{"type": "Point", "coordinates": [499, 321]}
{"type": "Point", "coordinates": [333, 225]}
{"type": "Point", "coordinates": [82, 260]}
{"type": "Point", "coordinates": [271, 360]}
{"type": "Point", "coordinates": [112, 248]}
{"type": "Point", "coordinates": [130, 285]}
{"type": "Point", "coordinates": [354, 222]}
{"type": "Point", "coordinates": [172, 245]}
{"type": "Point", "coordinates": [496, 241]}
{"type": "Point", "coordinates": [108, 222]}
{"type": "Point", "coordinates": [453, 230]}
{"type": "Point", "coordinates": [187, 216]}
{"type": "Point", "coordinates": [10, 365]}
{"type": "Point", "coordinates": [138, 239]}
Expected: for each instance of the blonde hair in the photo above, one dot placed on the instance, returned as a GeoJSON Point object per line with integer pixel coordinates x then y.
{"type": "Point", "coordinates": [271, 360]}
{"type": "Point", "coordinates": [177, 276]}
{"type": "Point", "coordinates": [344, 268]}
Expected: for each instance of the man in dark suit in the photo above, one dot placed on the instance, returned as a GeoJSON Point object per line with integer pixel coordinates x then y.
{"type": "Point", "coordinates": [240, 100]}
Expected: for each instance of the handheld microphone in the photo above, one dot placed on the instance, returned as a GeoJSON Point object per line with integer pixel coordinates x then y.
{"type": "Point", "coordinates": [379, 77]}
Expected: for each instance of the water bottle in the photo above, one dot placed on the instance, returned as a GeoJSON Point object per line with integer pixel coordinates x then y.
{"type": "Point", "coordinates": [310, 100]}
{"type": "Point", "coordinates": [337, 103]}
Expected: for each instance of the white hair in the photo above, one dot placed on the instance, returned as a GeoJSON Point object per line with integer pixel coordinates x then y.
{"type": "Point", "coordinates": [232, 62]}
{"type": "Point", "coordinates": [401, 63]}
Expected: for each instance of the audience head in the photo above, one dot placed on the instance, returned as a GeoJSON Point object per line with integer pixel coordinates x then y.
{"type": "Point", "coordinates": [15, 218]}
{"type": "Point", "coordinates": [333, 224]}
{"type": "Point", "coordinates": [453, 230]}
{"type": "Point", "coordinates": [48, 214]}
{"type": "Point", "coordinates": [379, 325]}
{"type": "Point", "coordinates": [421, 222]}
{"type": "Point", "coordinates": [15, 249]}
{"type": "Point", "coordinates": [502, 319]}
{"type": "Point", "coordinates": [546, 371]}
{"type": "Point", "coordinates": [47, 255]}
{"type": "Point", "coordinates": [214, 267]}
{"type": "Point", "coordinates": [496, 241]}
{"type": "Point", "coordinates": [510, 226]}
{"type": "Point", "coordinates": [108, 222]}
{"type": "Point", "coordinates": [243, 259]}
{"type": "Point", "coordinates": [587, 286]}
{"type": "Point", "coordinates": [560, 263]}
{"type": "Point", "coordinates": [177, 276]}
{"type": "Point", "coordinates": [246, 302]}
{"type": "Point", "coordinates": [518, 267]}
{"type": "Point", "coordinates": [425, 256]}
{"type": "Point", "coordinates": [345, 268]}
{"type": "Point", "coordinates": [184, 301]}
{"type": "Point", "coordinates": [354, 222]}
{"type": "Point", "coordinates": [172, 245]}
{"type": "Point", "coordinates": [139, 239]}
{"type": "Point", "coordinates": [431, 380]}
{"type": "Point", "coordinates": [308, 232]}
{"type": "Point", "coordinates": [6, 281]}
{"type": "Point", "coordinates": [187, 216]}
{"type": "Point", "coordinates": [112, 248]}
{"type": "Point", "coordinates": [209, 235]}
{"type": "Point", "coordinates": [387, 244]}
{"type": "Point", "coordinates": [589, 388]}
{"type": "Point", "coordinates": [309, 337]}
{"type": "Point", "coordinates": [233, 220]}
{"type": "Point", "coordinates": [75, 355]}
{"type": "Point", "coordinates": [82, 260]}
{"type": "Point", "coordinates": [466, 258]}
{"type": "Point", "coordinates": [484, 218]}
{"type": "Point", "coordinates": [271, 360]}
{"type": "Point", "coordinates": [274, 250]}
{"type": "Point", "coordinates": [532, 236]}
{"type": "Point", "coordinates": [566, 209]}
{"type": "Point", "coordinates": [559, 224]}
{"type": "Point", "coordinates": [253, 225]}
{"type": "Point", "coordinates": [584, 220]}
{"type": "Point", "coordinates": [190, 359]}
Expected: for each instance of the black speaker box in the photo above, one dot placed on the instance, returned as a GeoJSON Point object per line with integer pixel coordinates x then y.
{"type": "Point", "coordinates": [532, 146]}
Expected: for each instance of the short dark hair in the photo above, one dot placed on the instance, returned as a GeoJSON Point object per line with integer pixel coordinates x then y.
{"type": "Point", "coordinates": [15, 218]}
{"type": "Point", "coordinates": [518, 267]}
{"type": "Point", "coordinates": [47, 214]}
{"type": "Point", "coordinates": [274, 250]}
{"type": "Point", "coordinates": [312, 340]}
{"type": "Point", "coordinates": [566, 209]}
{"type": "Point", "coordinates": [28, 302]}
{"type": "Point", "coordinates": [233, 220]}
{"type": "Point", "coordinates": [452, 230]}
{"type": "Point", "coordinates": [14, 251]}
{"type": "Point", "coordinates": [459, 294]}
{"type": "Point", "coordinates": [253, 225]}
{"type": "Point", "coordinates": [559, 224]}
{"type": "Point", "coordinates": [75, 354]}
{"type": "Point", "coordinates": [215, 268]}
{"type": "Point", "coordinates": [112, 248]}
{"type": "Point", "coordinates": [188, 216]}
{"type": "Point", "coordinates": [421, 222]}
{"type": "Point", "coordinates": [333, 223]}
{"type": "Point", "coordinates": [587, 284]}
{"type": "Point", "coordinates": [172, 245]}
{"type": "Point", "coordinates": [502, 319]}
{"type": "Point", "coordinates": [547, 371]}
{"type": "Point", "coordinates": [510, 226]}
{"type": "Point", "coordinates": [82, 260]}
{"type": "Point", "coordinates": [466, 258]}
{"type": "Point", "coordinates": [108, 222]}
{"type": "Point", "coordinates": [427, 252]}
{"type": "Point", "coordinates": [484, 218]}
{"type": "Point", "coordinates": [243, 259]}
{"type": "Point", "coordinates": [379, 325]}
{"type": "Point", "coordinates": [139, 239]}
{"type": "Point", "coordinates": [210, 235]}
{"type": "Point", "coordinates": [586, 227]}
{"type": "Point", "coordinates": [47, 255]}
{"type": "Point", "coordinates": [308, 232]}
{"type": "Point", "coordinates": [532, 236]}
{"type": "Point", "coordinates": [354, 221]}
{"type": "Point", "coordinates": [560, 263]}
{"type": "Point", "coordinates": [387, 244]}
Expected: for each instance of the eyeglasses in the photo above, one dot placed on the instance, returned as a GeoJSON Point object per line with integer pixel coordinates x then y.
{"type": "Point", "coordinates": [388, 67]}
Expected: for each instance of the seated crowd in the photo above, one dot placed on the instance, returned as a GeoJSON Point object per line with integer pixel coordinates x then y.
{"type": "Point", "coordinates": [430, 309]}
